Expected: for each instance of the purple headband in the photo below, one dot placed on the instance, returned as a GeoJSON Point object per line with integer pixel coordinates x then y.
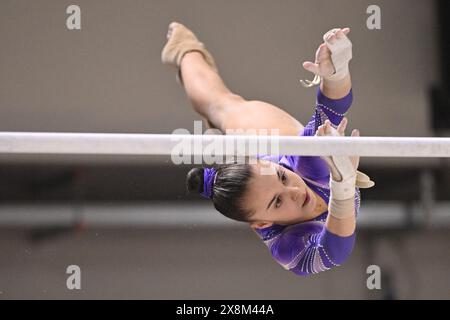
{"type": "Point", "coordinates": [209, 177]}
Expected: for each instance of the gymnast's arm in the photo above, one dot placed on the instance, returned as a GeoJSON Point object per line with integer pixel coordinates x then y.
{"type": "Point", "coordinates": [336, 89]}
{"type": "Point", "coordinates": [339, 234]}
{"type": "Point", "coordinates": [311, 248]}
{"type": "Point", "coordinates": [341, 227]}
{"type": "Point", "coordinates": [335, 241]}
{"type": "Point", "coordinates": [336, 51]}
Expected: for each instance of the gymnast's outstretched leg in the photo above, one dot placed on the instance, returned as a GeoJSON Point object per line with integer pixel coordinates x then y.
{"type": "Point", "coordinates": [210, 97]}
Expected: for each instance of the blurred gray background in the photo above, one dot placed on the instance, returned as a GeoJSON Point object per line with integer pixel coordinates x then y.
{"type": "Point", "coordinates": [127, 221]}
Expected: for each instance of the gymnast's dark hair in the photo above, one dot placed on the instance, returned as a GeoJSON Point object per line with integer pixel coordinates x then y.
{"type": "Point", "coordinates": [228, 190]}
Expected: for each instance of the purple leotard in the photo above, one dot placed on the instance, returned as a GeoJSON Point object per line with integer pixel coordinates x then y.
{"type": "Point", "coordinates": [308, 247]}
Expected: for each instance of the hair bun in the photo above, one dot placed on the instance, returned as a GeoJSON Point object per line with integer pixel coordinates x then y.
{"type": "Point", "coordinates": [194, 180]}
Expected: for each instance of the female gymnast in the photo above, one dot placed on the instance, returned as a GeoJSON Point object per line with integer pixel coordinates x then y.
{"type": "Point", "coordinates": [306, 212]}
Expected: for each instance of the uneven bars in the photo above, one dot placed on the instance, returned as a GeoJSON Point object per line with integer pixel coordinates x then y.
{"type": "Point", "coordinates": [165, 144]}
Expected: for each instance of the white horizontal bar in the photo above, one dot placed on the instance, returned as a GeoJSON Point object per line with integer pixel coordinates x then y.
{"type": "Point", "coordinates": [165, 144]}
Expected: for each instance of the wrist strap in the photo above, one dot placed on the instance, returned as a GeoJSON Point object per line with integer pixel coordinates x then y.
{"type": "Point", "coordinates": [344, 189]}
{"type": "Point", "coordinates": [342, 209]}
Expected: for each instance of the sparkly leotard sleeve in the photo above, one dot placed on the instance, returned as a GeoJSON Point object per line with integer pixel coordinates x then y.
{"type": "Point", "coordinates": [308, 247]}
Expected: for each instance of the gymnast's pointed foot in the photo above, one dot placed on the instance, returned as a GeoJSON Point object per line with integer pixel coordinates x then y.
{"type": "Point", "coordinates": [180, 41]}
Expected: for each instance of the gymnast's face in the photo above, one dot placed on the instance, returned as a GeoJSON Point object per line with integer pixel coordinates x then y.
{"type": "Point", "coordinates": [280, 197]}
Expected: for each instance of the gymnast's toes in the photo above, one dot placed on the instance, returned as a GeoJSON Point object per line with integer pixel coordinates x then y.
{"type": "Point", "coordinates": [172, 26]}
